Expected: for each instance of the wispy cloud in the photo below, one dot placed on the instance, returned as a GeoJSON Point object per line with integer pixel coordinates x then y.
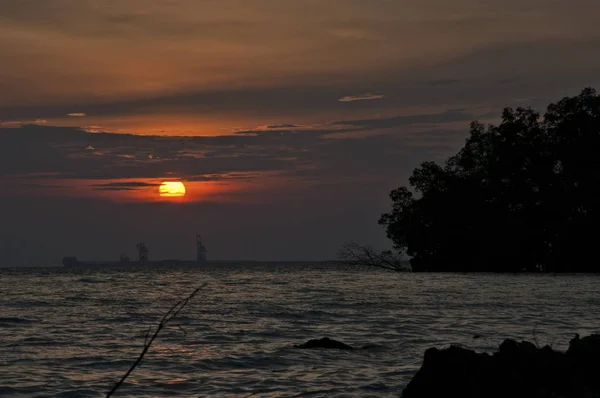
{"type": "Point", "coordinates": [364, 97]}
{"type": "Point", "coordinates": [76, 114]}
{"type": "Point", "coordinates": [451, 115]}
{"type": "Point", "coordinates": [123, 186]}
{"type": "Point", "coordinates": [282, 126]}
{"type": "Point", "coordinates": [18, 123]}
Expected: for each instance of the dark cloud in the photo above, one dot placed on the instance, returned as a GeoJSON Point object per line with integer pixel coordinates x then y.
{"type": "Point", "coordinates": [123, 186]}
{"type": "Point", "coordinates": [452, 115]}
{"type": "Point", "coordinates": [70, 153]}
{"type": "Point", "coordinates": [97, 188]}
{"type": "Point", "coordinates": [510, 80]}
{"type": "Point", "coordinates": [66, 152]}
{"type": "Point", "coordinates": [441, 82]}
{"type": "Point", "coordinates": [481, 72]}
{"type": "Point", "coordinates": [533, 60]}
{"type": "Point", "coordinates": [219, 101]}
{"type": "Point", "coordinates": [282, 126]}
{"type": "Point", "coordinates": [134, 184]}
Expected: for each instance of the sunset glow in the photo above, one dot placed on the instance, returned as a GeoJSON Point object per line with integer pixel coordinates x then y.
{"type": "Point", "coordinates": [254, 123]}
{"type": "Point", "coordinates": [171, 189]}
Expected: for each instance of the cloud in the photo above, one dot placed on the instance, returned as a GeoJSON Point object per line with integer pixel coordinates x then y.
{"type": "Point", "coordinates": [441, 82]}
{"type": "Point", "coordinates": [123, 186]}
{"type": "Point", "coordinates": [282, 126]}
{"type": "Point", "coordinates": [509, 80]}
{"type": "Point", "coordinates": [480, 71]}
{"type": "Point", "coordinates": [219, 65]}
{"type": "Point", "coordinates": [50, 152]}
{"type": "Point", "coordinates": [115, 189]}
{"type": "Point", "coordinates": [76, 114]}
{"type": "Point", "coordinates": [452, 115]}
{"type": "Point", "coordinates": [18, 123]}
{"type": "Point", "coordinates": [364, 97]}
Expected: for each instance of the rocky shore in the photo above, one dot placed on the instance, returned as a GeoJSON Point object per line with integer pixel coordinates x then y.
{"type": "Point", "coordinates": [517, 369]}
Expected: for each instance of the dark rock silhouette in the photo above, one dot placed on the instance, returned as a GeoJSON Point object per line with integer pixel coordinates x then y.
{"type": "Point", "coordinates": [325, 342]}
{"type": "Point", "coordinates": [516, 370]}
{"type": "Point", "coordinates": [520, 196]}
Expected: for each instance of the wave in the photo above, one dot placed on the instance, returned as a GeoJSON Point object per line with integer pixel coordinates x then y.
{"type": "Point", "coordinates": [61, 338]}
{"type": "Point", "coordinates": [7, 322]}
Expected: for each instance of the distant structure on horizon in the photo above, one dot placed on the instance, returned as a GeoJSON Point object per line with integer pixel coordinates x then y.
{"type": "Point", "coordinates": [142, 261]}
{"type": "Point", "coordinates": [200, 251]}
{"type": "Point", "coordinates": [142, 253]}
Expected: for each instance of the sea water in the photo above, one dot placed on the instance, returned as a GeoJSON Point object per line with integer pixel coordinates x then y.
{"type": "Point", "coordinates": [74, 333]}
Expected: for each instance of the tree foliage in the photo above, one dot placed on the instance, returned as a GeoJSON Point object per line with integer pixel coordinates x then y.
{"type": "Point", "coordinates": [522, 195]}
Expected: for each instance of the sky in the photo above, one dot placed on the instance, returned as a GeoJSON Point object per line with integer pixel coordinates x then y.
{"type": "Point", "coordinates": [288, 121]}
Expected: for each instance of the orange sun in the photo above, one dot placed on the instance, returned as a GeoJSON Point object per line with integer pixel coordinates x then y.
{"type": "Point", "coordinates": [171, 189]}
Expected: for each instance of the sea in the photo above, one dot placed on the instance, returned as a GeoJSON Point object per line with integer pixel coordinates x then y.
{"type": "Point", "coordinates": [74, 333]}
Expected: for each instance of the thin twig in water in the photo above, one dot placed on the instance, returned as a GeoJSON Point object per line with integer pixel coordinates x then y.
{"type": "Point", "coordinates": [172, 313]}
{"type": "Point", "coordinates": [147, 334]}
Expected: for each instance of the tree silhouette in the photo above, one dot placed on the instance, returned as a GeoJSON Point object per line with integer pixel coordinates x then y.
{"type": "Point", "coordinates": [520, 196]}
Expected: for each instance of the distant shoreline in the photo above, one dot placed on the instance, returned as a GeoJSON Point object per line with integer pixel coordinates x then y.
{"type": "Point", "coordinates": [117, 265]}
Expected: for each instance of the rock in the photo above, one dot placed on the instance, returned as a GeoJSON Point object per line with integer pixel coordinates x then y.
{"type": "Point", "coordinates": [325, 342]}
{"type": "Point", "coordinates": [516, 370]}
{"type": "Point", "coordinates": [585, 348]}
{"type": "Point", "coordinates": [444, 372]}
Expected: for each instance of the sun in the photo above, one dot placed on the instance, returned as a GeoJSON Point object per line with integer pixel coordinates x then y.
{"type": "Point", "coordinates": [171, 189]}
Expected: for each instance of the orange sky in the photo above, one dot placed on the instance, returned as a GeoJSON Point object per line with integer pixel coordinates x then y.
{"type": "Point", "coordinates": [305, 107]}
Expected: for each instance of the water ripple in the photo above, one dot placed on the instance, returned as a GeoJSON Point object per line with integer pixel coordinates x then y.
{"type": "Point", "coordinates": [73, 333]}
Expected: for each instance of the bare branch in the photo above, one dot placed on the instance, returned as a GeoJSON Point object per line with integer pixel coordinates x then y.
{"type": "Point", "coordinates": [147, 334]}
{"type": "Point", "coordinates": [356, 254]}
{"type": "Point", "coordinates": [172, 313]}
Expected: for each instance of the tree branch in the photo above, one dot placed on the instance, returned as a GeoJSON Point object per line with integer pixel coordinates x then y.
{"type": "Point", "coordinates": [172, 313]}
{"type": "Point", "coordinates": [354, 253]}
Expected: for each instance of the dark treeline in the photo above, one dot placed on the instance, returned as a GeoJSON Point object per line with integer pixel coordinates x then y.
{"type": "Point", "coordinates": [520, 196]}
